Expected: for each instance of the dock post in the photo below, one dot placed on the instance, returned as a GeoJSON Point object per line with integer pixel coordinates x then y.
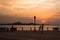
{"type": "Point", "coordinates": [30, 29]}
{"type": "Point", "coordinates": [47, 28]}
{"type": "Point", "coordinates": [22, 28]}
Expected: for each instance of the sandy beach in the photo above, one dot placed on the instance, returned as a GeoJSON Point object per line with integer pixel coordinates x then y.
{"type": "Point", "coordinates": [29, 35]}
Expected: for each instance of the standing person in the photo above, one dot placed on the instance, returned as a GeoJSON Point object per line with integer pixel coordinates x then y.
{"type": "Point", "coordinates": [43, 22]}
{"type": "Point", "coordinates": [42, 28]}
{"type": "Point", "coordinates": [39, 28]}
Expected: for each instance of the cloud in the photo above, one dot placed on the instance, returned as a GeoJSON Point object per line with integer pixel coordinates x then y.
{"type": "Point", "coordinates": [26, 9]}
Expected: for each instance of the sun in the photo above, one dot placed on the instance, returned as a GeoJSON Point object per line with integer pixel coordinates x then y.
{"type": "Point", "coordinates": [43, 21]}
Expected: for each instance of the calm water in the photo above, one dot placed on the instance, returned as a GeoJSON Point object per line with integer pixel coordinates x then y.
{"type": "Point", "coordinates": [27, 27]}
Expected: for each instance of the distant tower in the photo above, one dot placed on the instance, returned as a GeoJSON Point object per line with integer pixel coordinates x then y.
{"type": "Point", "coordinates": [34, 23]}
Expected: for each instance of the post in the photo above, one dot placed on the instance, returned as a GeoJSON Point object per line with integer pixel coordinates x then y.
{"type": "Point", "coordinates": [30, 28]}
{"type": "Point", "coordinates": [47, 28]}
{"type": "Point", "coordinates": [22, 28]}
{"type": "Point", "coordinates": [34, 23]}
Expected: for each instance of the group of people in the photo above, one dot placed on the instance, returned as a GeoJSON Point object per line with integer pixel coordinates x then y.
{"type": "Point", "coordinates": [8, 29]}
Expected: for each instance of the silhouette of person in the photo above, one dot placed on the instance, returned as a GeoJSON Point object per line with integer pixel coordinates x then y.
{"type": "Point", "coordinates": [12, 28]}
{"type": "Point", "coordinates": [39, 28]}
{"type": "Point", "coordinates": [42, 28]}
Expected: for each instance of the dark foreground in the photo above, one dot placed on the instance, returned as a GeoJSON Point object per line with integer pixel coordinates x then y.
{"type": "Point", "coordinates": [25, 35]}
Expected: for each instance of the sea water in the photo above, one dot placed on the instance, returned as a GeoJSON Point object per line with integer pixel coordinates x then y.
{"type": "Point", "coordinates": [27, 27]}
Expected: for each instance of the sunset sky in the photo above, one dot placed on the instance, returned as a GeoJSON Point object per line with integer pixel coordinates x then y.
{"type": "Point", "coordinates": [47, 11]}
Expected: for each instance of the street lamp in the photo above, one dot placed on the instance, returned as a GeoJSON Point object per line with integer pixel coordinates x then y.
{"type": "Point", "coordinates": [34, 23]}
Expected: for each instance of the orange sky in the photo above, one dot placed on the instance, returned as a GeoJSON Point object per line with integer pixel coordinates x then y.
{"type": "Point", "coordinates": [24, 10]}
